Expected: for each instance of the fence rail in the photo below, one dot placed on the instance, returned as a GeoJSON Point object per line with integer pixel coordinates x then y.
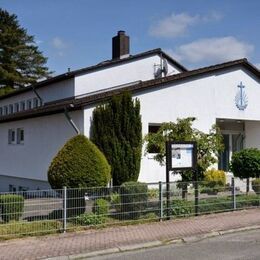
{"type": "Point", "coordinates": [50, 211]}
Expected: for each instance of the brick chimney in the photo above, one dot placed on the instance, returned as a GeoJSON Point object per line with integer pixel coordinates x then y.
{"type": "Point", "coordinates": [120, 45]}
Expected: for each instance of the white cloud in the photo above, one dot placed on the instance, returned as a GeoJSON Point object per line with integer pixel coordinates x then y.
{"type": "Point", "coordinates": [212, 50]}
{"type": "Point", "coordinates": [178, 24]}
{"type": "Point", "coordinates": [59, 45]}
{"type": "Point", "coordinates": [257, 65]}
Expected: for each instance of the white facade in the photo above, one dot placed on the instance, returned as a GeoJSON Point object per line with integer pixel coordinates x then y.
{"type": "Point", "coordinates": [209, 97]}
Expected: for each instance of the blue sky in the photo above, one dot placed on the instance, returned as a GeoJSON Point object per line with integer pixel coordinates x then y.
{"type": "Point", "coordinates": [77, 33]}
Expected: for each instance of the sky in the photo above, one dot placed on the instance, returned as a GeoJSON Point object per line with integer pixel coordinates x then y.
{"type": "Point", "coordinates": [78, 33]}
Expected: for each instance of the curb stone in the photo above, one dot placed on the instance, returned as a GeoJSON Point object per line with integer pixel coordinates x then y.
{"type": "Point", "coordinates": [151, 244]}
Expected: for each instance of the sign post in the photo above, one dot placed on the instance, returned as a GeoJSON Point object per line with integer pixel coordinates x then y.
{"type": "Point", "coordinates": [180, 156]}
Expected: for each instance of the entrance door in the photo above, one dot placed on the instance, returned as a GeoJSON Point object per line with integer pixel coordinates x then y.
{"type": "Point", "coordinates": [233, 142]}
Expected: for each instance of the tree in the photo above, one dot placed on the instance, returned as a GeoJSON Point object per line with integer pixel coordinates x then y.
{"type": "Point", "coordinates": [245, 164]}
{"type": "Point", "coordinates": [208, 144]}
{"type": "Point", "coordinates": [79, 164]}
{"type": "Point", "coordinates": [21, 63]}
{"type": "Point", "coordinates": [117, 130]}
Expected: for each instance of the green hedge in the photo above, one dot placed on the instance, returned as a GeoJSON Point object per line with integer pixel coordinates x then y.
{"type": "Point", "coordinates": [11, 206]}
{"type": "Point", "coordinates": [134, 198]}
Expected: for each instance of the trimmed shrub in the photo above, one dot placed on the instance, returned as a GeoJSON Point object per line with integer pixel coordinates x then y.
{"type": "Point", "coordinates": [88, 219]}
{"type": "Point", "coordinates": [116, 129]}
{"type": "Point", "coordinates": [246, 163]}
{"type": "Point", "coordinates": [101, 207]}
{"type": "Point", "coordinates": [11, 206]}
{"type": "Point", "coordinates": [134, 198]}
{"type": "Point", "coordinates": [78, 164]}
{"type": "Point", "coordinates": [256, 185]}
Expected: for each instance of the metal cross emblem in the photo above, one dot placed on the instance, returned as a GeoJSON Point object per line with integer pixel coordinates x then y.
{"type": "Point", "coordinates": [241, 97]}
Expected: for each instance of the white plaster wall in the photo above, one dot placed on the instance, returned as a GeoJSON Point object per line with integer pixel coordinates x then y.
{"type": "Point", "coordinates": [43, 137]}
{"type": "Point", "coordinates": [206, 98]}
{"type": "Point", "coordinates": [142, 69]}
{"type": "Point", "coordinates": [252, 134]}
{"type": "Point", "coordinates": [52, 92]}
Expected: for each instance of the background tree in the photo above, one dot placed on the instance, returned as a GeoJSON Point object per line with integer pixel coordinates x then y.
{"type": "Point", "coordinates": [21, 63]}
{"type": "Point", "coordinates": [79, 164]}
{"type": "Point", "coordinates": [208, 144]}
{"type": "Point", "coordinates": [117, 131]}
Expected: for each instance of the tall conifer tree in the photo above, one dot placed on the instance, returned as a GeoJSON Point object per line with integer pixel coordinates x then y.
{"type": "Point", "coordinates": [117, 131]}
{"type": "Point", "coordinates": [21, 63]}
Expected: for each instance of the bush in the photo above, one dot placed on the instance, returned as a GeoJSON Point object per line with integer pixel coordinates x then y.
{"type": "Point", "coordinates": [101, 207]}
{"type": "Point", "coordinates": [88, 219]}
{"type": "Point", "coordinates": [246, 163]}
{"type": "Point", "coordinates": [180, 208]}
{"type": "Point", "coordinates": [214, 181]}
{"type": "Point", "coordinates": [115, 201]}
{"type": "Point", "coordinates": [153, 193]}
{"type": "Point", "coordinates": [134, 198]}
{"type": "Point", "coordinates": [11, 206]}
{"type": "Point", "coordinates": [215, 177]}
{"type": "Point", "coordinates": [78, 164]}
{"type": "Point", "coordinates": [256, 185]}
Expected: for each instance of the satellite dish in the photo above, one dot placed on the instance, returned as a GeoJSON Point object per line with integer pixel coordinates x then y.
{"type": "Point", "coordinates": [164, 68]}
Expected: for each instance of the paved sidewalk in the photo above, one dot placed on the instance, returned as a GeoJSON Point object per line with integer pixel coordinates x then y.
{"type": "Point", "coordinates": [124, 236]}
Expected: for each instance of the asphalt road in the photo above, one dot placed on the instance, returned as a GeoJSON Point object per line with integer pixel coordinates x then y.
{"type": "Point", "coordinates": [242, 245]}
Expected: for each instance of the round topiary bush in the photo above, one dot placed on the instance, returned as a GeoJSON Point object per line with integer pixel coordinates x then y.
{"type": "Point", "coordinates": [79, 164]}
{"type": "Point", "coordinates": [246, 163]}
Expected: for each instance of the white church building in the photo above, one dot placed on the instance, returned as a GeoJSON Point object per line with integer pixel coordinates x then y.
{"type": "Point", "coordinates": [35, 122]}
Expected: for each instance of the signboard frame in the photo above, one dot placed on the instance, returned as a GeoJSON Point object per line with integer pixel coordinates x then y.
{"type": "Point", "coordinates": [169, 155]}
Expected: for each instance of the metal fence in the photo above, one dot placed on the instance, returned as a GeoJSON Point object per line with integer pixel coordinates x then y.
{"type": "Point", "coordinates": [50, 211]}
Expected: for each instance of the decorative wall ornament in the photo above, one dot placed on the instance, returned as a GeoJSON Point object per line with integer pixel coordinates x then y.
{"type": "Point", "coordinates": [241, 97]}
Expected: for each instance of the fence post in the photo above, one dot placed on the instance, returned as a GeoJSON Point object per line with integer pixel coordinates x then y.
{"type": "Point", "coordinates": [196, 193]}
{"type": "Point", "coordinates": [64, 209]}
{"type": "Point", "coordinates": [233, 193]}
{"type": "Point", "coordinates": [161, 200]}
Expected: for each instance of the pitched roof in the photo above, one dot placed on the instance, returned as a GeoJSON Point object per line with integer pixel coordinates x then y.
{"type": "Point", "coordinates": [101, 65]}
{"type": "Point", "coordinates": [78, 103]}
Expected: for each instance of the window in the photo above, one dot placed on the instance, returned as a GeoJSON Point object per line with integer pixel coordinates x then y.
{"type": "Point", "coordinates": [1, 111]}
{"type": "Point", "coordinates": [22, 106]}
{"type": "Point", "coordinates": [29, 104]}
{"type": "Point", "coordinates": [153, 128]}
{"type": "Point", "coordinates": [11, 109]}
{"type": "Point", "coordinates": [20, 135]}
{"type": "Point", "coordinates": [11, 136]}
{"type": "Point", "coordinates": [5, 110]}
{"type": "Point", "coordinates": [12, 188]}
{"type": "Point", "coordinates": [35, 102]}
{"type": "Point", "coordinates": [16, 107]}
